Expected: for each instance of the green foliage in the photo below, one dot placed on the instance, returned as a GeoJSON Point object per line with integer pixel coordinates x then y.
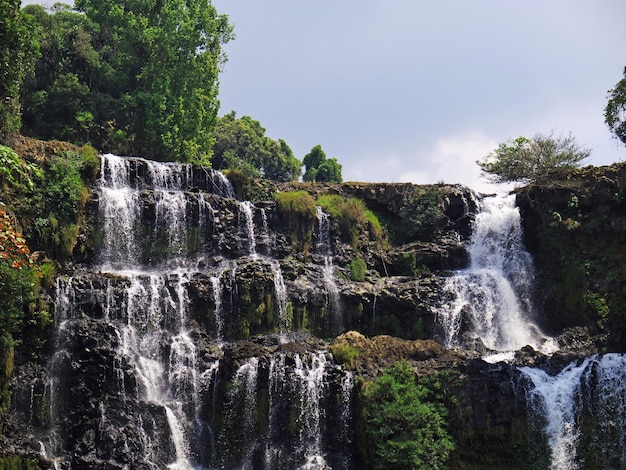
{"type": "Point", "coordinates": [18, 51]}
{"type": "Point", "coordinates": [615, 111]}
{"type": "Point", "coordinates": [405, 421]}
{"type": "Point", "coordinates": [15, 171]}
{"type": "Point", "coordinates": [422, 214]}
{"type": "Point", "coordinates": [241, 144]}
{"type": "Point", "coordinates": [22, 312]}
{"type": "Point", "coordinates": [60, 202]}
{"type": "Point", "coordinates": [598, 304]}
{"type": "Point", "coordinates": [345, 354]}
{"type": "Point", "coordinates": [358, 269]}
{"type": "Point", "coordinates": [537, 159]}
{"type": "Point", "coordinates": [296, 203]}
{"type": "Point", "coordinates": [15, 462]}
{"type": "Point", "coordinates": [130, 77]}
{"type": "Point", "coordinates": [321, 169]}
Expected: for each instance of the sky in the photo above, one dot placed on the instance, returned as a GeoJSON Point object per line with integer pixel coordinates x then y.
{"type": "Point", "coordinates": [417, 91]}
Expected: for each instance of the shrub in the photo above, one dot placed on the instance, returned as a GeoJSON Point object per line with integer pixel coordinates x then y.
{"type": "Point", "coordinates": [358, 269]}
{"type": "Point", "coordinates": [536, 159]}
{"type": "Point", "coordinates": [405, 421]}
{"type": "Point", "coordinates": [345, 354]}
{"type": "Point", "coordinates": [352, 216]}
{"type": "Point", "coordinates": [422, 214]}
{"type": "Point", "coordinates": [296, 203]}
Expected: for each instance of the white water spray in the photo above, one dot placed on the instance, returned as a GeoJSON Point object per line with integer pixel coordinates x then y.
{"type": "Point", "coordinates": [491, 299]}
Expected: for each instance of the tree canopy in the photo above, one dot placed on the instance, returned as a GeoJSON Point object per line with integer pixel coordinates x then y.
{"type": "Point", "coordinates": [128, 76]}
{"type": "Point", "coordinates": [242, 144]}
{"type": "Point", "coordinates": [406, 422]}
{"type": "Point", "coordinates": [321, 169]}
{"type": "Point", "coordinates": [536, 159]}
{"type": "Point", "coordinates": [615, 111]}
{"type": "Point", "coordinates": [18, 51]}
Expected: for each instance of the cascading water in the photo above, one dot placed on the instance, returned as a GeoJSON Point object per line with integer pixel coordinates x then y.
{"type": "Point", "coordinates": [588, 395]}
{"type": "Point", "coordinates": [160, 244]}
{"type": "Point", "coordinates": [323, 246]}
{"type": "Point", "coordinates": [491, 300]}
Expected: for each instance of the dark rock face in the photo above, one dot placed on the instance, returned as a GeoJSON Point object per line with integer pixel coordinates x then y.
{"type": "Point", "coordinates": [209, 328]}
{"type": "Point", "coordinates": [575, 230]}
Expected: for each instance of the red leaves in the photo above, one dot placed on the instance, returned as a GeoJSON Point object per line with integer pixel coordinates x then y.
{"type": "Point", "coordinates": [13, 245]}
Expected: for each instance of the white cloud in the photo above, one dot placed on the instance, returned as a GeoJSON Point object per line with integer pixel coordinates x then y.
{"type": "Point", "coordinates": [453, 160]}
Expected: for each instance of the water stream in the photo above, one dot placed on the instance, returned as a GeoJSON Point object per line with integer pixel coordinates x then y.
{"type": "Point", "coordinates": [158, 236]}
{"type": "Point", "coordinates": [492, 299]}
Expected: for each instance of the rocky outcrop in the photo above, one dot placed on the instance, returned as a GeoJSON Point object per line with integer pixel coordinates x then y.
{"type": "Point", "coordinates": [211, 324]}
{"type": "Point", "coordinates": [575, 229]}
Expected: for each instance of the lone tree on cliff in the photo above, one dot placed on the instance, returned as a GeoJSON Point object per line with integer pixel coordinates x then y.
{"type": "Point", "coordinates": [615, 111]}
{"type": "Point", "coordinates": [537, 159]}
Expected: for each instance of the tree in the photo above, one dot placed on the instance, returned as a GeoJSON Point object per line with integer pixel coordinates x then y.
{"type": "Point", "coordinates": [615, 111]}
{"type": "Point", "coordinates": [18, 51]}
{"type": "Point", "coordinates": [140, 77]}
{"type": "Point", "coordinates": [242, 144]}
{"type": "Point", "coordinates": [321, 169]}
{"type": "Point", "coordinates": [537, 159]}
{"type": "Point", "coordinates": [329, 171]}
{"type": "Point", "coordinates": [405, 422]}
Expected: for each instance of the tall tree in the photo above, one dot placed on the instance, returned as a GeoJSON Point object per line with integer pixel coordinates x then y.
{"type": "Point", "coordinates": [18, 50]}
{"type": "Point", "coordinates": [615, 111]}
{"type": "Point", "coordinates": [144, 73]}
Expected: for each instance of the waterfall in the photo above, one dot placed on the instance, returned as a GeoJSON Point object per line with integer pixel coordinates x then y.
{"type": "Point", "coordinates": [590, 394]}
{"type": "Point", "coordinates": [245, 211]}
{"type": "Point", "coordinates": [491, 300]}
{"type": "Point", "coordinates": [281, 295]}
{"type": "Point", "coordinates": [323, 246]}
{"type": "Point", "coordinates": [170, 395]}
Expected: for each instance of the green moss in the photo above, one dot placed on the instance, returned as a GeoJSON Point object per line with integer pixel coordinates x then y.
{"type": "Point", "coordinates": [345, 354]}
{"type": "Point", "coordinates": [358, 269]}
{"type": "Point", "coordinates": [352, 216]}
{"type": "Point", "coordinates": [15, 462]}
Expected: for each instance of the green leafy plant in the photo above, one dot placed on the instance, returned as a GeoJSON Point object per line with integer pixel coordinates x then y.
{"type": "Point", "coordinates": [15, 171]}
{"type": "Point", "coordinates": [536, 159]}
{"type": "Point", "coordinates": [405, 421]}
{"type": "Point", "coordinates": [358, 269]}
{"type": "Point", "coordinates": [345, 354]}
{"type": "Point", "coordinates": [422, 214]}
{"type": "Point", "coordinates": [352, 216]}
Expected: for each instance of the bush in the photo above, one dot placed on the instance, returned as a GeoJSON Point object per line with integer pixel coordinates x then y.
{"type": "Point", "coordinates": [296, 204]}
{"type": "Point", "coordinates": [352, 216]}
{"type": "Point", "coordinates": [405, 422]}
{"type": "Point", "coordinates": [345, 354]}
{"type": "Point", "coordinates": [422, 214]}
{"type": "Point", "coordinates": [60, 203]}
{"type": "Point", "coordinates": [536, 159]}
{"type": "Point", "coordinates": [358, 269]}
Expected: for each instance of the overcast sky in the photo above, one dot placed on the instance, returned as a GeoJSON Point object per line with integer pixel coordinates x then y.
{"type": "Point", "coordinates": [414, 90]}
